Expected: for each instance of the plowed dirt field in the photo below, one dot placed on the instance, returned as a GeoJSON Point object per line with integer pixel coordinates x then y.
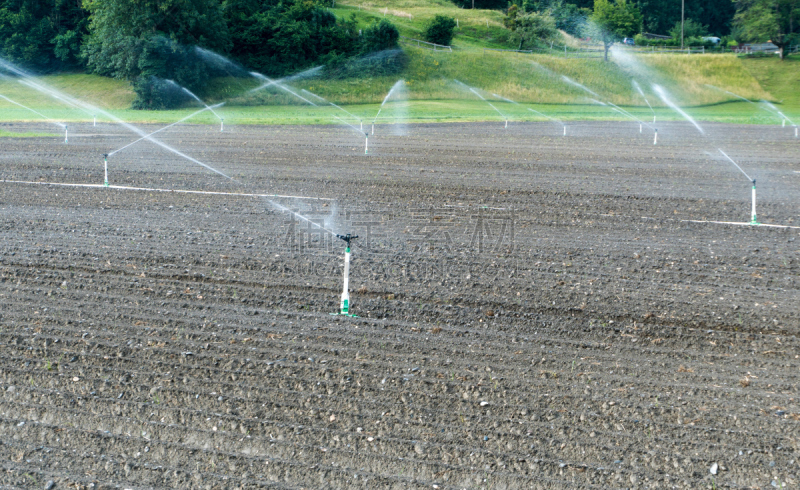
{"type": "Point", "coordinates": [534, 311]}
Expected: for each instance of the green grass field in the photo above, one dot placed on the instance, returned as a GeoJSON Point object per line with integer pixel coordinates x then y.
{"type": "Point", "coordinates": [430, 93]}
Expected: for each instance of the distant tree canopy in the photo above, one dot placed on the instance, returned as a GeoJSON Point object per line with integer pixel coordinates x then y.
{"type": "Point", "coordinates": [616, 20]}
{"type": "Point", "coordinates": [769, 20]}
{"type": "Point", "coordinates": [150, 42]}
{"type": "Point", "coordinates": [42, 35]}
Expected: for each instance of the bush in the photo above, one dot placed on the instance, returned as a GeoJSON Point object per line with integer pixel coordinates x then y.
{"type": "Point", "coordinates": [380, 36]}
{"type": "Point", "coordinates": [153, 93]}
{"type": "Point", "coordinates": [440, 30]}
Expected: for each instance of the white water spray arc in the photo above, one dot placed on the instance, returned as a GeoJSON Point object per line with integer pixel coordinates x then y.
{"type": "Point", "coordinates": [753, 219]}
{"type": "Point", "coordinates": [396, 87]}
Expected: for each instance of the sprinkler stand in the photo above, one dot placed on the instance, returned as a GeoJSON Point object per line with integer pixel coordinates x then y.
{"type": "Point", "coordinates": [373, 128]}
{"type": "Point", "coordinates": [95, 120]}
{"type": "Point", "coordinates": [654, 118]}
{"type": "Point", "coordinates": [506, 123]}
{"type": "Point", "coordinates": [795, 132]}
{"type": "Point", "coordinates": [655, 137]}
{"type": "Point", "coordinates": [362, 125]}
{"type": "Point", "coordinates": [344, 307]}
{"type": "Point", "coordinates": [221, 125]}
{"type": "Point", "coordinates": [105, 169]}
{"type": "Point", "coordinates": [66, 134]}
{"type": "Point", "coordinates": [754, 221]}
{"type": "Point", "coordinates": [565, 130]}
{"type": "Point", "coordinates": [640, 128]}
{"type": "Point", "coordinates": [366, 144]}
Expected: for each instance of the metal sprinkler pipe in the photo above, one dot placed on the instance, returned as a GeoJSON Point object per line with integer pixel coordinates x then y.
{"type": "Point", "coordinates": [655, 137]}
{"type": "Point", "coordinates": [565, 130]}
{"type": "Point", "coordinates": [366, 144]}
{"type": "Point", "coordinates": [506, 124]}
{"type": "Point", "coordinates": [95, 120]}
{"type": "Point", "coordinates": [344, 305]}
{"type": "Point", "coordinates": [221, 125]}
{"type": "Point", "coordinates": [373, 128]}
{"type": "Point", "coordinates": [754, 220]}
{"type": "Point", "coordinates": [105, 169]}
{"type": "Point", "coordinates": [66, 134]}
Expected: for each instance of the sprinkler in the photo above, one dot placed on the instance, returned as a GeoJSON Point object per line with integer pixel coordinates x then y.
{"type": "Point", "coordinates": [795, 132]}
{"type": "Point", "coordinates": [95, 120]}
{"type": "Point", "coordinates": [506, 124]}
{"type": "Point", "coordinates": [66, 134]}
{"type": "Point", "coordinates": [362, 125]}
{"type": "Point", "coordinates": [345, 303]}
{"type": "Point", "coordinates": [655, 137]}
{"type": "Point", "coordinates": [654, 118]}
{"type": "Point", "coordinates": [373, 128]}
{"type": "Point", "coordinates": [221, 125]}
{"type": "Point", "coordinates": [105, 169]}
{"type": "Point", "coordinates": [565, 130]}
{"type": "Point", "coordinates": [754, 221]}
{"type": "Point", "coordinates": [366, 144]}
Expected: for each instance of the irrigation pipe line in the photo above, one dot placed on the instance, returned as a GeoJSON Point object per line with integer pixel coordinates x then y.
{"type": "Point", "coordinates": [153, 189]}
{"type": "Point", "coordinates": [737, 223]}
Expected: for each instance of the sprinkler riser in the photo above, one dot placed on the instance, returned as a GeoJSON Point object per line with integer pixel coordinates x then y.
{"type": "Point", "coordinates": [345, 302]}
{"type": "Point", "coordinates": [366, 145]}
{"type": "Point", "coordinates": [373, 129]}
{"type": "Point", "coordinates": [66, 135]}
{"type": "Point", "coordinates": [640, 129]}
{"type": "Point", "coordinates": [655, 137]}
{"type": "Point", "coordinates": [105, 171]}
{"type": "Point", "coordinates": [754, 220]}
{"type": "Point", "coordinates": [565, 130]}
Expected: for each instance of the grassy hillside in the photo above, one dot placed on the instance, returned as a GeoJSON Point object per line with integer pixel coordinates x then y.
{"type": "Point", "coordinates": [434, 95]}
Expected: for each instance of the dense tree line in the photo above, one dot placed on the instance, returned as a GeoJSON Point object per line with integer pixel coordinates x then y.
{"type": "Point", "coordinates": [149, 41]}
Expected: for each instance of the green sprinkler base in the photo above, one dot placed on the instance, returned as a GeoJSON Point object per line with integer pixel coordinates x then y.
{"type": "Point", "coordinates": [344, 314]}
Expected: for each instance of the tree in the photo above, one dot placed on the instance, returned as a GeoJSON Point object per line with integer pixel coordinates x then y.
{"type": "Point", "coordinates": [142, 40]}
{"type": "Point", "coordinates": [440, 30]}
{"type": "Point", "coordinates": [614, 21]}
{"type": "Point", "coordinates": [531, 27]}
{"type": "Point", "coordinates": [278, 38]}
{"type": "Point", "coordinates": [42, 34]}
{"type": "Point", "coordinates": [768, 20]}
{"type": "Point", "coordinates": [691, 28]}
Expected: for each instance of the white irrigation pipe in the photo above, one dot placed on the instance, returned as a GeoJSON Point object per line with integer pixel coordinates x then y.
{"type": "Point", "coordinates": [153, 189]}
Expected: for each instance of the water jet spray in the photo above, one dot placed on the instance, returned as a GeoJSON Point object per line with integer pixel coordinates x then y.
{"type": "Point", "coordinates": [753, 220]}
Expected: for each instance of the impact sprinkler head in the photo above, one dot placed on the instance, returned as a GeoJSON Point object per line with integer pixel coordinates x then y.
{"type": "Point", "coordinates": [347, 238]}
{"type": "Point", "coordinates": [754, 218]}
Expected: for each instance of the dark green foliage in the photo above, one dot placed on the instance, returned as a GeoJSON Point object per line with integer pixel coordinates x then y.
{"type": "Point", "coordinates": [141, 39]}
{"type": "Point", "coordinates": [691, 28]}
{"type": "Point", "coordinates": [379, 36]}
{"type": "Point", "coordinates": [278, 38]}
{"type": "Point", "coordinates": [481, 4]}
{"type": "Point", "coordinates": [382, 63]}
{"type": "Point", "coordinates": [155, 93]}
{"type": "Point", "coordinates": [660, 15]}
{"type": "Point", "coordinates": [42, 34]}
{"type": "Point", "coordinates": [440, 30]}
{"type": "Point", "coordinates": [615, 20]}
{"type": "Point", "coordinates": [777, 21]}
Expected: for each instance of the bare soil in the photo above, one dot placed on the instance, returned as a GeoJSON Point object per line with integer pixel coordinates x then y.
{"type": "Point", "coordinates": [534, 311]}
